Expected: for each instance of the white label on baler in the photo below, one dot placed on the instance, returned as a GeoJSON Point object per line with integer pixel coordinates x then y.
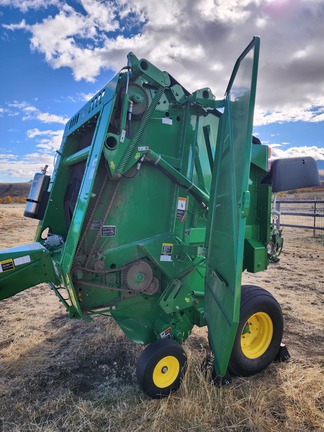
{"type": "Point", "coordinates": [166, 258]}
{"type": "Point", "coordinates": [22, 260]}
{"type": "Point", "coordinates": [122, 136]}
{"type": "Point", "coordinates": [167, 121]}
{"type": "Point", "coordinates": [182, 203]}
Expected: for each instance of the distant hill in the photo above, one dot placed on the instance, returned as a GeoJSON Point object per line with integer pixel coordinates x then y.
{"type": "Point", "coordinates": [14, 190]}
{"type": "Point", "coordinates": [20, 191]}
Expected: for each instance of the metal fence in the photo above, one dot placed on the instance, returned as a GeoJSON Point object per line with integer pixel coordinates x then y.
{"type": "Point", "coordinates": [307, 214]}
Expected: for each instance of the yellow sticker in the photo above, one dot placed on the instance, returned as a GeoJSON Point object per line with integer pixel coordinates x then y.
{"type": "Point", "coordinates": [187, 299]}
{"type": "Point", "coordinates": [138, 155]}
{"type": "Point", "coordinates": [112, 165]}
{"type": "Point", "coordinates": [167, 248]}
{"type": "Point", "coordinates": [6, 265]}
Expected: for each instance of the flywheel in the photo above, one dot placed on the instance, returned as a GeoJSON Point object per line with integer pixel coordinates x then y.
{"type": "Point", "coordinates": [139, 276]}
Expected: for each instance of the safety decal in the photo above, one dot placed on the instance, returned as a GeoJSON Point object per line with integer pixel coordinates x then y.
{"type": "Point", "coordinates": [108, 231]}
{"type": "Point", "coordinates": [166, 252]}
{"type": "Point", "coordinates": [181, 208]}
{"type": "Point", "coordinates": [6, 265]}
{"type": "Point", "coordinates": [165, 332]}
{"type": "Point", "coordinates": [96, 224]}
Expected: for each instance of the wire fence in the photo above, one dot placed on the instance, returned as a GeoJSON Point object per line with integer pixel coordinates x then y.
{"type": "Point", "coordinates": [305, 214]}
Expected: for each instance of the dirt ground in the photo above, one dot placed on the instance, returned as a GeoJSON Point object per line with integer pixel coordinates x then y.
{"type": "Point", "coordinates": [58, 374]}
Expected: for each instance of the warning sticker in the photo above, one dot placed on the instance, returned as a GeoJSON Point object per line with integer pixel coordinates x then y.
{"type": "Point", "coordinates": [165, 332]}
{"type": "Point", "coordinates": [6, 265]}
{"type": "Point", "coordinates": [96, 224]}
{"type": "Point", "coordinates": [108, 231]}
{"type": "Point", "coordinates": [167, 248]}
{"type": "Point", "coordinates": [181, 208]}
{"type": "Point", "coordinates": [166, 252]}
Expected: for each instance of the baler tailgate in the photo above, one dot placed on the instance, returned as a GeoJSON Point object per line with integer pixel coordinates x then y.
{"type": "Point", "coordinates": [229, 207]}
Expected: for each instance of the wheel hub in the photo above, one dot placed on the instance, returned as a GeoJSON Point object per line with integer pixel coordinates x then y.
{"type": "Point", "coordinates": [166, 371]}
{"type": "Point", "coordinates": [256, 335]}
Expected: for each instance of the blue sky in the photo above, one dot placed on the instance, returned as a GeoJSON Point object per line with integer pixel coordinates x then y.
{"type": "Point", "coordinates": [56, 54]}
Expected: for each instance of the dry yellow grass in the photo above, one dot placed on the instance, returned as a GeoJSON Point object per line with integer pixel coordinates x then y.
{"type": "Point", "coordinates": [66, 375]}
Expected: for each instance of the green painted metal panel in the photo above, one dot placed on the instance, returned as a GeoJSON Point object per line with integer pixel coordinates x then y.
{"type": "Point", "coordinates": [260, 156]}
{"type": "Point", "coordinates": [23, 267]}
{"type": "Point", "coordinates": [255, 256]}
{"type": "Point", "coordinates": [229, 208]}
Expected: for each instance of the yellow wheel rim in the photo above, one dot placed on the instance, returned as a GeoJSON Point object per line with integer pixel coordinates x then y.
{"type": "Point", "coordinates": [256, 335]}
{"type": "Point", "coordinates": [166, 372]}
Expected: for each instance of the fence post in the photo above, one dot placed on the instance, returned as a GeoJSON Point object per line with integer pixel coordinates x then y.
{"type": "Point", "coordinates": [278, 215]}
{"type": "Point", "coordinates": [314, 230]}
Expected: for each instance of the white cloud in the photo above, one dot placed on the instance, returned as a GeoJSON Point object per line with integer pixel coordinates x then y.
{"type": "Point", "coordinates": [261, 22]}
{"type": "Point", "coordinates": [227, 11]}
{"type": "Point", "coordinates": [51, 118]}
{"type": "Point", "coordinates": [80, 97]}
{"type": "Point", "coordinates": [25, 168]}
{"type": "Point", "coordinates": [48, 141]}
{"type": "Point", "coordinates": [32, 133]}
{"type": "Point", "coordinates": [25, 5]}
{"type": "Point", "coordinates": [19, 26]}
{"type": "Point", "coordinates": [85, 96]}
{"type": "Point", "coordinates": [290, 113]}
{"type": "Point", "coordinates": [197, 41]}
{"type": "Point", "coordinates": [30, 112]}
{"type": "Point", "coordinates": [316, 152]}
{"type": "Point", "coordinates": [21, 168]}
{"type": "Point", "coordinates": [7, 156]}
{"type": "Point", "coordinates": [302, 53]}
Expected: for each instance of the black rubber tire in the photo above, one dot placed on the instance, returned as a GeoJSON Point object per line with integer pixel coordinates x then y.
{"type": "Point", "coordinates": [149, 359]}
{"type": "Point", "coordinates": [256, 300]}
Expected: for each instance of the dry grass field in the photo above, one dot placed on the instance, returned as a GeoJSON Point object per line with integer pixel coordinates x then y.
{"type": "Point", "coordinates": [66, 375]}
